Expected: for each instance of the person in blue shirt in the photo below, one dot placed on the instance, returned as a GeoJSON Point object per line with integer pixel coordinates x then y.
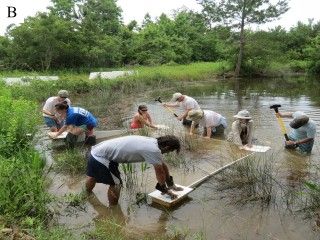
{"type": "Point", "coordinates": [77, 121]}
{"type": "Point", "coordinates": [303, 131]}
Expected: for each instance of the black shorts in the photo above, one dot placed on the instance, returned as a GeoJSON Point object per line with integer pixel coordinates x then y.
{"type": "Point", "coordinates": [102, 174]}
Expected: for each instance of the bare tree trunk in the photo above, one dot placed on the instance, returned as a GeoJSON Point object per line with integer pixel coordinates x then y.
{"type": "Point", "coordinates": [241, 47]}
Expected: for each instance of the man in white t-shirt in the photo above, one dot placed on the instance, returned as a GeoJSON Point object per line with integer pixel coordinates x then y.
{"type": "Point", "coordinates": [186, 103]}
{"type": "Point", "coordinates": [51, 118]}
{"type": "Point", "coordinates": [105, 157]}
{"type": "Point", "coordinates": [213, 123]}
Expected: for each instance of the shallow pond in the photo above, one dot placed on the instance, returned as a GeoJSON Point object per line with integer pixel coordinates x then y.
{"type": "Point", "coordinates": [206, 211]}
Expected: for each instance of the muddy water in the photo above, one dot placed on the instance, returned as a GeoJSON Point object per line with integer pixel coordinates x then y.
{"type": "Point", "coordinates": [204, 211]}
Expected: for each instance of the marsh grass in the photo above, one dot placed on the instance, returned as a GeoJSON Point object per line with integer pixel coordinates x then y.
{"type": "Point", "coordinates": [312, 193]}
{"type": "Point", "coordinates": [71, 161]}
{"type": "Point", "coordinates": [252, 179]}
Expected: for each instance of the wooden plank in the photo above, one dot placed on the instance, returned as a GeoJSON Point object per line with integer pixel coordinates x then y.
{"type": "Point", "coordinates": [165, 199]}
{"type": "Point", "coordinates": [256, 148]}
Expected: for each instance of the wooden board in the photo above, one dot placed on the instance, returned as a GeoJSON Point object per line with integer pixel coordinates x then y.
{"type": "Point", "coordinates": [165, 200]}
{"type": "Point", "coordinates": [61, 136]}
{"type": "Point", "coordinates": [256, 148]}
{"type": "Point", "coordinates": [162, 127]}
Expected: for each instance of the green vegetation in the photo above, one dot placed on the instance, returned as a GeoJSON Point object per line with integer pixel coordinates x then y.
{"type": "Point", "coordinates": [23, 197]}
{"type": "Point", "coordinates": [86, 35]}
{"type": "Point", "coordinates": [71, 162]}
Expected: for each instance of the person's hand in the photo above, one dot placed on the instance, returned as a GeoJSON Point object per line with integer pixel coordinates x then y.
{"type": "Point", "coordinates": [172, 195]}
{"type": "Point", "coordinates": [248, 146]}
{"type": "Point", "coordinates": [164, 104]}
{"type": "Point", "coordinates": [179, 118]}
{"type": "Point", "coordinates": [278, 115]}
{"type": "Point", "coordinates": [190, 133]}
{"type": "Point", "coordinates": [290, 142]}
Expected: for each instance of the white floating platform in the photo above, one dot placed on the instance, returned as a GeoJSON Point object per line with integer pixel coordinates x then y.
{"type": "Point", "coordinates": [257, 148]}
{"type": "Point", "coordinates": [110, 75]}
{"type": "Point", "coordinates": [165, 199]}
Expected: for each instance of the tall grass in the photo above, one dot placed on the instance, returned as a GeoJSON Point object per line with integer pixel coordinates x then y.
{"type": "Point", "coordinates": [23, 193]}
{"type": "Point", "coordinates": [252, 179]}
{"type": "Point", "coordinates": [72, 161]}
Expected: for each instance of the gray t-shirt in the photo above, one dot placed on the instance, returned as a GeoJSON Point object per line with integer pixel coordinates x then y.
{"type": "Point", "coordinates": [128, 149]}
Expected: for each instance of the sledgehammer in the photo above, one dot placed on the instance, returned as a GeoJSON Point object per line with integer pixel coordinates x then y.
{"type": "Point", "coordinates": [159, 100]}
{"type": "Point", "coordinates": [280, 121]}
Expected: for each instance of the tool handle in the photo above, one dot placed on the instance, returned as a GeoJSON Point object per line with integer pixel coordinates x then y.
{"type": "Point", "coordinates": [175, 114]}
{"type": "Point", "coordinates": [286, 137]}
{"type": "Point", "coordinates": [201, 180]}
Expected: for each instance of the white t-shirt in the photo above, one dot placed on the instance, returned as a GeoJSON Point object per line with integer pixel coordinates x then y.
{"type": "Point", "coordinates": [50, 103]}
{"type": "Point", "coordinates": [128, 149]}
{"type": "Point", "coordinates": [210, 119]}
{"type": "Point", "coordinates": [189, 103]}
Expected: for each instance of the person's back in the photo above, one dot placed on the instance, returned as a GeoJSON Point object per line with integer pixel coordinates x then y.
{"type": "Point", "coordinates": [128, 149]}
{"type": "Point", "coordinates": [189, 103]}
{"type": "Point", "coordinates": [78, 116]}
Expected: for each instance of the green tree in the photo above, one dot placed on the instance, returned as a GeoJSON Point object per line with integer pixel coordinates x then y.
{"type": "Point", "coordinates": [238, 13]}
{"type": "Point", "coordinates": [45, 41]}
{"type": "Point", "coordinates": [4, 52]}
{"type": "Point", "coordinates": [313, 54]}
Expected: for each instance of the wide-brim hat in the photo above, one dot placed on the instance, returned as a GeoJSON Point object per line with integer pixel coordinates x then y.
{"type": "Point", "coordinates": [243, 114]}
{"type": "Point", "coordinates": [299, 121]}
{"type": "Point", "coordinates": [195, 115]}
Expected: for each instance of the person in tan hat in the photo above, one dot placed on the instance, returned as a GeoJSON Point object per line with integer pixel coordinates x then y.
{"type": "Point", "coordinates": [187, 103]}
{"type": "Point", "coordinates": [242, 129]}
{"type": "Point", "coordinates": [51, 118]}
{"type": "Point", "coordinates": [303, 131]}
{"type": "Point", "coordinates": [213, 123]}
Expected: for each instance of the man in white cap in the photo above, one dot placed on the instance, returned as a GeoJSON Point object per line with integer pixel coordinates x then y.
{"type": "Point", "coordinates": [213, 123]}
{"type": "Point", "coordinates": [242, 129]}
{"type": "Point", "coordinates": [186, 102]}
{"type": "Point", "coordinates": [303, 131]}
{"type": "Point", "coordinates": [51, 118]}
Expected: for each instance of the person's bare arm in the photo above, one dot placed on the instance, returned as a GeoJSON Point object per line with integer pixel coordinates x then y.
{"type": "Point", "coordinates": [284, 114]}
{"type": "Point", "coordinates": [171, 104]}
{"type": "Point", "coordinates": [209, 132]}
{"type": "Point", "coordinates": [192, 127]}
{"type": "Point", "coordinates": [61, 130]}
{"type": "Point", "coordinates": [184, 114]}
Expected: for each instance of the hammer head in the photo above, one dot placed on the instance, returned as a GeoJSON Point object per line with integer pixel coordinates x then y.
{"type": "Point", "coordinates": [158, 100]}
{"type": "Point", "coordinates": [275, 107]}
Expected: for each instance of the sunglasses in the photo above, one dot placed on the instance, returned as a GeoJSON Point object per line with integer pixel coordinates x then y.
{"type": "Point", "coordinates": [144, 110]}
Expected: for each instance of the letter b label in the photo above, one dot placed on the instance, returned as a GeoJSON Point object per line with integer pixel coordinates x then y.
{"type": "Point", "coordinates": [11, 12]}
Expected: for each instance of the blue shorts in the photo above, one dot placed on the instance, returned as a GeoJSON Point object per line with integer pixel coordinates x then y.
{"type": "Point", "coordinates": [101, 173]}
{"type": "Point", "coordinates": [51, 123]}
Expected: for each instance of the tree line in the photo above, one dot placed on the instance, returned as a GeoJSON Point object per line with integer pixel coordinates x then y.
{"type": "Point", "coordinates": [84, 34]}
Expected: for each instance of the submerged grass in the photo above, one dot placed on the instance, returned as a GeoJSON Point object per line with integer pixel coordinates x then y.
{"type": "Point", "coordinates": [71, 161]}
{"type": "Point", "coordinates": [252, 179]}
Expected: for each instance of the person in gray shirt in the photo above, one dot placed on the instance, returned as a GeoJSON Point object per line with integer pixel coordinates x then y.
{"type": "Point", "coordinates": [105, 157]}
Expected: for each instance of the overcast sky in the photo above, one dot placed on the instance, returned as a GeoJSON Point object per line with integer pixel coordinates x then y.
{"type": "Point", "coordinates": [300, 10]}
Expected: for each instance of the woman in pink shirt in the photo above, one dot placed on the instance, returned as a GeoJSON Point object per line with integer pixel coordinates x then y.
{"type": "Point", "coordinates": [141, 118]}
